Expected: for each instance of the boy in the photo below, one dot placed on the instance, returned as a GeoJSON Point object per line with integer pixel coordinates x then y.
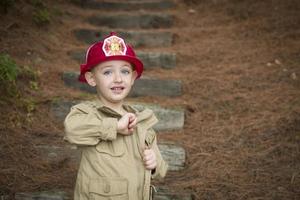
{"type": "Point", "coordinates": [119, 148]}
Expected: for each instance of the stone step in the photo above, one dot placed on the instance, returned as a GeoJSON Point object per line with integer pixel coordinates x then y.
{"type": "Point", "coordinates": [126, 21]}
{"type": "Point", "coordinates": [162, 194]}
{"type": "Point", "coordinates": [129, 6]}
{"type": "Point", "coordinates": [150, 59]}
{"type": "Point", "coordinates": [173, 154]}
{"type": "Point", "coordinates": [42, 195]}
{"type": "Point", "coordinates": [158, 59]}
{"type": "Point", "coordinates": [169, 119]}
{"type": "Point", "coordinates": [141, 87]}
{"type": "Point", "coordinates": [135, 38]}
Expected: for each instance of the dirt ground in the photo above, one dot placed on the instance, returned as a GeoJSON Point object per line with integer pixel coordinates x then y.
{"type": "Point", "coordinates": [239, 61]}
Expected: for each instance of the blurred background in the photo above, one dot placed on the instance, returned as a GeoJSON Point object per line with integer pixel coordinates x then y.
{"type": "Point", "coordinates": [223, 77]}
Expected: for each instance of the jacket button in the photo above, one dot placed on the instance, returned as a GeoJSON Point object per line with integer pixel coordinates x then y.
{"type": "Point", "coordinates": [106, 188]}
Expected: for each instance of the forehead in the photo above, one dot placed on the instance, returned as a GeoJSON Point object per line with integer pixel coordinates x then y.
{"type": "Point", "coordinates": [113, 63]}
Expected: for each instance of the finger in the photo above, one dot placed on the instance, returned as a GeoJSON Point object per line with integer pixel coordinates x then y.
{"type": "Point", "coordinates": [149, 162]}
{"type": "Point", "coordinates": [149, 158]}
{"type": "Point", "coordinates": [131, 117]}
{"type": "Point", "coordinates": [148, 152]}
{"type": "Point", "coordinates": [151, 166]}
{"type": "Point", "coordinates": [132, 124]}
{"type": "Point", "coordinates": [130, 130]}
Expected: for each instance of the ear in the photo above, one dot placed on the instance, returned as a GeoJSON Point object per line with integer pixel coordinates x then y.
{"type": "Point", "coordinates": [89, 76]}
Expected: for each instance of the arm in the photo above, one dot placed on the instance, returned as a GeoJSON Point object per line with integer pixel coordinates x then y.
{"type": "Point", "coordinates": [153, 159]}
{"type": "Point", "coordinates": [84, 126]}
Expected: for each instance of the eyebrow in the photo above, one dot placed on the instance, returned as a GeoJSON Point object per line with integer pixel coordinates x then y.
{"type": "Point", "coordinates": [106, 66]}
{"type": "Point", "coordinates": [109, 66]}
{"type": "Point", "coordinates": [127, 66]}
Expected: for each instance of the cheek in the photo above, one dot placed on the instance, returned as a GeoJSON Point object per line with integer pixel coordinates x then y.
{"type": "Point", "coordinates": [103, 80]}
{"type": "Point", "coordinates": [131, 79]}
{"type": "Point", "coordinates": [132, 82]}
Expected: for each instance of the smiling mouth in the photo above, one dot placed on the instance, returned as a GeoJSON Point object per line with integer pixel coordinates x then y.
{"type": "Point", "coordinates": [117, 89]}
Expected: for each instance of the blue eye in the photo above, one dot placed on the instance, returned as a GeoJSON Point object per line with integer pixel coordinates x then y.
{"type": "Point", "coordinates": [107, 72]}
{"type": "Point", "coordinates": [125, 71]}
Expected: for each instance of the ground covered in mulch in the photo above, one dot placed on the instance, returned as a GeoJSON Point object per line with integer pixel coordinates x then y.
{"type": "Point", "coordinates": [239, 62]}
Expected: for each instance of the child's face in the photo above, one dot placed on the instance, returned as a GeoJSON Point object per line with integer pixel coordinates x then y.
{"type": "Point", "coordinates": [113, 80]}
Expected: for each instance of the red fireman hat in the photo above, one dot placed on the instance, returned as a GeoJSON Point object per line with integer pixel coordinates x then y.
{"type": "Point", "coordinates": [112, 48]}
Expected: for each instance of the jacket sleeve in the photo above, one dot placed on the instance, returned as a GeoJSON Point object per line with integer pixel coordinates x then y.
{"type": "Point", "coordinates": [162, 166]}
{"type": "Point", "coordinates": [85, 126]}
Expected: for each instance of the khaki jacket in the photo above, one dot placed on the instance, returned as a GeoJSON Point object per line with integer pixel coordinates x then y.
{"type": "Point", "coordinates": [111, 165]}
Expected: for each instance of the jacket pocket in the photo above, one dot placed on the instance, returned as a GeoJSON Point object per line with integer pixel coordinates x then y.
{"type": "Point", "coordinates": [114, 148]}
{"type": "Point", "coordinates": [108, 189]}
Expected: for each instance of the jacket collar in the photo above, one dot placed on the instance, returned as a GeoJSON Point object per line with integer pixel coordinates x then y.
{"type": "Point", "coordinates": [101, 107]}
{"type": "Point", "coordinates": [145, 115]}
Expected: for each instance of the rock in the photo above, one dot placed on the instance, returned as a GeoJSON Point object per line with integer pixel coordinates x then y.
{"type": "Point", "coordinates": [135, 38]}
{"type": "Point", "coordinates": [143, 21]}
{"type": "Point", "coordinates": [169, 119]}
{"type": "Point", "coordinates": [56, 153]}
{"type": "Point", "coordinates": [129, 6]}
{"type": "Point", "coordinates": [277, 62]}
{"type": "Point", "coordinates": [173, 154]}
{"type": "Point", "coordinates": [156, 87]}
{"type": "Point", "coordinates": [78, 55]}
{"type": "Point", "coordinates": [149, 59]}
{"type": "Point", "coordinates": [294, 76]}
{"type": "Point", "coordinates": [44, 195]}
{"type": "Point", "coordinates": [192, 11]}
{"type": "Point", "coordinates": [154, 59]}
{"type": "Point", "coordinates": [166, 194]}
{"type": "Point", "coordinates": [71, 79]}
{"type": "Point", "coordinates": [5, 197]}
{"type": "Point", "coordinates": [162, 193]}
{"type": "Point", "coordinates": [141, 87]}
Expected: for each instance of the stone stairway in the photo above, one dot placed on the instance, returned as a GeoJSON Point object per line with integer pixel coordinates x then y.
{"type": "Point", "coordinates": [139, 30]}
{"type": "Point", "coordinates": [135, 38]}
{"type": "Point", "coordinates": [142, 87]}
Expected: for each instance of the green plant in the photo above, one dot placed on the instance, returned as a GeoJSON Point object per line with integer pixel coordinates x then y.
{"type": "Point", "coordinates": [8, 69]}
{"type": "Point", "coordinates": [34, 85]}
{"type": "Point", "coordinates": [41, 17]}
{"type": "Point", "coordinates": [30, 106]}
{"type": "Point", "coordinates": [29, 72]}
{"type": "Point", "coordinates": [8, 74]}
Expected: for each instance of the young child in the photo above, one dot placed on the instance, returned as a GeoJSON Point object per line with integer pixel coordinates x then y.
{"type": "Point", "coordinates": [119, 148]}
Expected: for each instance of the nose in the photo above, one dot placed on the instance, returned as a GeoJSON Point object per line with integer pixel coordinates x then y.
{"type": "Point", "coordinates": [118, 77]}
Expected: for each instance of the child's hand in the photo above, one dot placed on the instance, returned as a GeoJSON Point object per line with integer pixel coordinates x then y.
{"type": "Point", "coordinates": [149, 159]}
{"type": "Point", "coordinates": [127, 124]}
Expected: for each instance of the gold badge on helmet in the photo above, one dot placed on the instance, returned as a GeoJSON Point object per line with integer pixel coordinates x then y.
{"type": "Point", "coordinates": [113, 46]}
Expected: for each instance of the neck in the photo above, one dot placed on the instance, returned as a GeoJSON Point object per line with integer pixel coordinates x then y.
{"type": "Point", "coordinates": [116, 106]}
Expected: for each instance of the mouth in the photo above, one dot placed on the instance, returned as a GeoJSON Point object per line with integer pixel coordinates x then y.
{"type": "Point", "coordinates": [117, 89]}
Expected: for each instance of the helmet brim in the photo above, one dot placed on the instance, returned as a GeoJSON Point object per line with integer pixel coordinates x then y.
{"type": "Point", "coordinates": [137, 65]}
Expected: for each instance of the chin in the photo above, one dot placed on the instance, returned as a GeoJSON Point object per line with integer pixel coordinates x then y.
{"type": "Point", "coordinates": [117, 99]}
